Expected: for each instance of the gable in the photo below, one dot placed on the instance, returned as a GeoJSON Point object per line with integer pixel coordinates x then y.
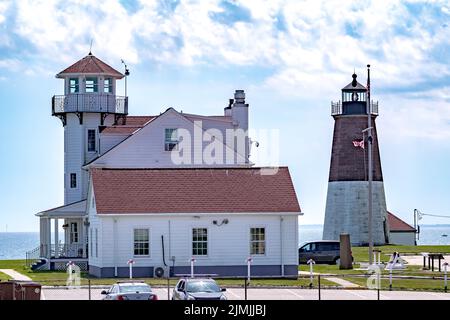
{"type": "Point", "coordinates": [145, 148]}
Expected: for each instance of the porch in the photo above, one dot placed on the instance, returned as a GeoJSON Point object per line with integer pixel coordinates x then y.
{"type": "Point", "coordinates": [56, 250]}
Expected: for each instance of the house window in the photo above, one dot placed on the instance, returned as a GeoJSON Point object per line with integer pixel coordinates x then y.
{"type": "Point", "coordinates": [73, 85]}
{"type": "Point", "coordinates": [73, 180]}
{"type": "Point", "coordinates": [91, 140]}
{"type": "Point", "coordinates": [91, 85]}
{"type": "Point", "coordinates": [200, 242]}
{"type": "Point", "coordinates": [96, 242]}
{"type": "Point", "coordinates": [107, 85]}
{"type": "Point", "coordinates": [73, 232]}
{"type": "Point", "coordinates": [257, 240]}
{"type": "Point", "coordinates": [141, 242]}
{"type": "Point", "coordinates": [171, 140]}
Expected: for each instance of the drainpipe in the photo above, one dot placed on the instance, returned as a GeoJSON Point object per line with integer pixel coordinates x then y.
{"type": "Point", "coordinates": [115, 247]}
{"type": "Point", "coordinates": [281, 246]}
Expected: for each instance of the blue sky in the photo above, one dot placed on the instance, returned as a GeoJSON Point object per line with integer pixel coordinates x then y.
{"type": "Point", "coordinates": [291, 57]}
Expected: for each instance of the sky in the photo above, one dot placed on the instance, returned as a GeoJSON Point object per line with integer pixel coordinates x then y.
{"type": "Point", "coordinates": [291, 57]}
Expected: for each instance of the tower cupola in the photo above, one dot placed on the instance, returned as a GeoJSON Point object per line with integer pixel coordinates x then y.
{"type": "Point", "coordinates": [89, 87]}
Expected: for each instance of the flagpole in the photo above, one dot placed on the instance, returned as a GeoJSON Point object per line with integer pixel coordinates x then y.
{"type": "Point", "coordinates": [369, 159]}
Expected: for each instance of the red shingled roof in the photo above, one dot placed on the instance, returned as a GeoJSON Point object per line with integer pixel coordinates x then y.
{"type": "Point", "coordinates": [132, 124]}
{"type": "Point", "coordinates": [91, 65]}
{"type": "Point", "coordinates": [193, 191]}
{"type": "Point", "coordinates": [398, 225]}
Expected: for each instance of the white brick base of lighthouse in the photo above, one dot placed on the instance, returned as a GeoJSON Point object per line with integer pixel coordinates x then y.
{"type": "Point", "coordinates": [347, 212]}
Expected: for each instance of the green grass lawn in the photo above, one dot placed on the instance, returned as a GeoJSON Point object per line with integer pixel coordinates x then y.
{"type": "Point", "coordinates": [60, 278]}
{"type": "Point", "coordinates": [361, 254]}
{"type": "Point", "coordinates": [403, 284]}
{"type": "Point", "coordinates": [3, 276]}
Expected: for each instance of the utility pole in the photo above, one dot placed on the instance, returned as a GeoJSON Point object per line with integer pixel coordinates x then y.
{"type": "Point", "coordinates": [370, 164]}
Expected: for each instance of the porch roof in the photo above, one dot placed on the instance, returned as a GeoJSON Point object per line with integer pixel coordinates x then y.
{"type": "Point", "coordinates": [72, 210]}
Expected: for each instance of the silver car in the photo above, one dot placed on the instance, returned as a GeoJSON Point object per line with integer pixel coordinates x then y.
{"type": "Point", "coordinates": [129, 291]}
{"type": "Point", "coordinates": [198, 289]}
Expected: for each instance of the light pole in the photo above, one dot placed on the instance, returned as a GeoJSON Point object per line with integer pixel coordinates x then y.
{"type": "Point", "coordinates": [370, 164]}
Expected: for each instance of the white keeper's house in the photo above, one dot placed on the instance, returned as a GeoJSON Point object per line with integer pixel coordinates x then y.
{"type": "Point", "coordinates": [148, 189]}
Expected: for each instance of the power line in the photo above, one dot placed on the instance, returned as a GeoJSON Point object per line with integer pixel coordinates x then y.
{"type": "Point", "coordinates": [433, 215]}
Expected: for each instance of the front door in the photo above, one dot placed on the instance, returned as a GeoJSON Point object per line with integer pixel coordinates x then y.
{"type": "Point", "coordinates": [74, 233]}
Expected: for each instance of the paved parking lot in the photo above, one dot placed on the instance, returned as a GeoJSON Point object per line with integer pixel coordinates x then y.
{"type": "Point", "coordinates": [266, 294]}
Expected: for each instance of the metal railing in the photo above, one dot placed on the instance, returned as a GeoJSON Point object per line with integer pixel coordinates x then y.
{"type": "Point", "coordinates": [56, 251]}
{"type": "Point", "coordinates": [336, 108]}
{"type": "Point", "coordinates": [89, 102]}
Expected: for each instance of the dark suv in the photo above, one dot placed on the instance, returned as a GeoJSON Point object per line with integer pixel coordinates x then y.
{"type": "Point", "coordinates": [324, 251]}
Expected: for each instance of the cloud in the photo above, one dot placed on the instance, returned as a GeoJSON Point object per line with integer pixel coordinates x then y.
{"type": "Point", "coordinates": [310, 46]}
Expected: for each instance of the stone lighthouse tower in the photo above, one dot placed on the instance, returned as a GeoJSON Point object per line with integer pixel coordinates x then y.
{"type": "Point", "coordinates": [89, 102]}
{"type": "Point", "coordinates": [347, 209]}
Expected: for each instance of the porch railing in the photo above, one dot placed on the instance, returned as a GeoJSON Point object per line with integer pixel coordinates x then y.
{"type": "Point", "coordinates": [56, 251]}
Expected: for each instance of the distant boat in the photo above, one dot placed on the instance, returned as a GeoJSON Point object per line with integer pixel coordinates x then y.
{"type": "Point", "coordinates": [444, 235]}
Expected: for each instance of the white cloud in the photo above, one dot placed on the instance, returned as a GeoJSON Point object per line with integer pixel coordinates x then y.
{"type": "Point", "coordinates": [4, 5]}
{"type": "Point", "coordinates": [314, 52]}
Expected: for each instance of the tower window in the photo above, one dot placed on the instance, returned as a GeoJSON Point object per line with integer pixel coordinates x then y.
{"type": "Point", "coordinates": [107, 85]}
{"type": "Point", "coordinates": [73, 85]}
{"type": "Point", "coordinates": [91, 140]}
{"type": "Point", "coordinates": [91, 85]}
{"type": "Point", "coordinates": [73, 180]}
{"type": "Point", "coordinates": [171, 140]}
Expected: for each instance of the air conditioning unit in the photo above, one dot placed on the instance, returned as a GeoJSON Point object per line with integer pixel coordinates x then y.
{"type": "Point", "coordinates": [160, 272]}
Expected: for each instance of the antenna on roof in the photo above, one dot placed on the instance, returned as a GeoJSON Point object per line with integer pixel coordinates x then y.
{"type": "Point", "coordinates": [90, 48]}
{"type": "Point", "coordinates": [127, 73]}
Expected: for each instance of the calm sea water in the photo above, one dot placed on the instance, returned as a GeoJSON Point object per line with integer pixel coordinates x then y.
{"type": "Point", "coordinates": [13, 245]}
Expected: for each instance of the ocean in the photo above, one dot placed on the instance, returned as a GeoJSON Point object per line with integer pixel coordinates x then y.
{"type": "Point", "coordinates": [13, 245]}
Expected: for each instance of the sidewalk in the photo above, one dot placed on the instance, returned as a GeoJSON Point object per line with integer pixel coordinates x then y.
{"type": "Point", "coordinates": [15, 275]}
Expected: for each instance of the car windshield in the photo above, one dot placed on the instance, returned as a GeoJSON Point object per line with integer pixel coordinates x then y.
{"type": "Point", "coordinates": [135, 288]}
{"type": "Point", "coordinates": [202, 286]}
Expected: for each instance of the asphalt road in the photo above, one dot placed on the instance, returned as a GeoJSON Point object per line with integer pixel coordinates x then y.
{"type": "Point", "coordinates": [266, 294]}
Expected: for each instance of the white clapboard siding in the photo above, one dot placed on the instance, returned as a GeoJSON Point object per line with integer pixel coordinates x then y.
{"type": "Point", "coordinates": [75, 152]}
{"type": "Point", "coordinates": [227, 245]}
{"type": "Point", "coordinates": [145, 149]}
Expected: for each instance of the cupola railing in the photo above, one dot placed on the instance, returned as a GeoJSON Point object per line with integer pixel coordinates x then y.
{"type": "Point", "coordinates": [95, 102]}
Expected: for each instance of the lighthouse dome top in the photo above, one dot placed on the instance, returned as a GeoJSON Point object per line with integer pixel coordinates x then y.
{"type": "Point", "coordinates": [354, 86]}
{"type": "Point", "coordinates": [90, 64]}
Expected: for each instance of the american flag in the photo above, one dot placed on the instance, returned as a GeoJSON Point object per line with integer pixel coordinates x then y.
{"type": "Point", "coordinates": [358, 143]}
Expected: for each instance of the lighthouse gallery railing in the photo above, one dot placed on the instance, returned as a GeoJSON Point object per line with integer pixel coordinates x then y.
{"type": "Point", "coordinates": [336, 108]}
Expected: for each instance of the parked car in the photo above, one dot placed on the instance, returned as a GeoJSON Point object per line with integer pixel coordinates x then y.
{"type": "Point", "coordinates": [129, 291]}
{"type": "Point", "coordinates": [323, 251]}
{"type": "Point", "coordinates": [198, 289]}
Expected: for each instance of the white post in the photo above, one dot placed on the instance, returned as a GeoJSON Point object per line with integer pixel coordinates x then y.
{"type": "Point", "coordinates": [445, 265]}
{"type": "Point", "coordinates": [56, 238]}
{"type": "Point", "coordinates": [69, 266]}
{"type": "Point", "coordinates": [311, 262]}
{"type": "Point", "coordinates": [249, 263]}
{"type": "Point", "coordinates": [379, 257]}
{"type": "Point", "coordinates": [375, 258]}
{"type": "Point", "coordinates": [48, 235]}
{"type": "Point", "coordinates": [192, 267]}
{"type": "Point", "coordinates": [390, 276]}
{"type": "Point", "coordinates": [130, 264]}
